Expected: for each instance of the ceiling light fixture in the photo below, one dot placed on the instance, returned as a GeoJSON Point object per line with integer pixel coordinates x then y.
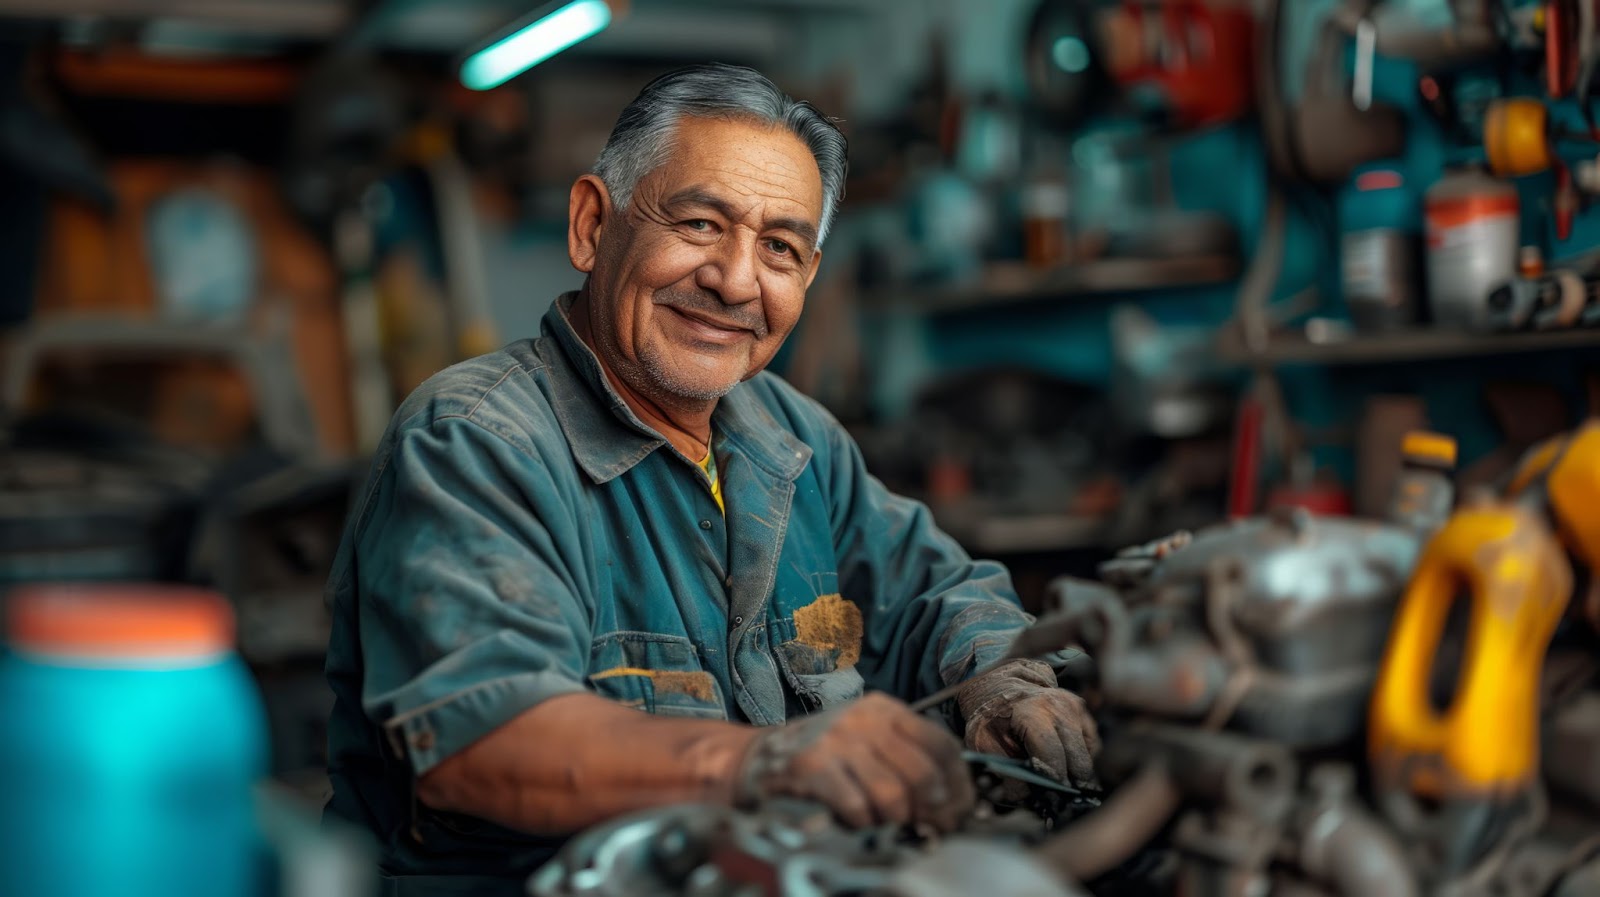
{"type": "Point", "coordinates": [534, 42]}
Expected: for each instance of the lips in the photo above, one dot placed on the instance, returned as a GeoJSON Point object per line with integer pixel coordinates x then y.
{"type": "Point", "coordinates": [707, 328]}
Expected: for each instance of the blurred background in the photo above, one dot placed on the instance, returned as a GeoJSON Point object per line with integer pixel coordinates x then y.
{"type": "Point", "coordinates": [1106, 268]}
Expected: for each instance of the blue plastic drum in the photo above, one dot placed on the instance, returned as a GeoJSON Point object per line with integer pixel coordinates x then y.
{"type": "Point", "coordinates": [134, 739]}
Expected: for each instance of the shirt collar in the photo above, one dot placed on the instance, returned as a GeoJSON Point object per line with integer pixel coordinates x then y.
{"type": "Point", "coordinates": [608, 439]}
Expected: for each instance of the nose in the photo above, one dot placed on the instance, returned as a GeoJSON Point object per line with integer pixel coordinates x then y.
{"type": "Point", "coordinates": [732, 273]}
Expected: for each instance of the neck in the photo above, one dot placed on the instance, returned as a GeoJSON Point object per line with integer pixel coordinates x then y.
{"type": "Point", "coordinates": [684, 424]}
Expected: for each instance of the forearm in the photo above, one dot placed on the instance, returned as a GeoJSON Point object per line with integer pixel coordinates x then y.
{"type": "Point", "coordinates": [578, 760]}
{"type": "Point", "coordinates": [933, 614]}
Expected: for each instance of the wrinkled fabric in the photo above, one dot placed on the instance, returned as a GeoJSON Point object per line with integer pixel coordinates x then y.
{"type": "Point", "coordinates": [522, 535]}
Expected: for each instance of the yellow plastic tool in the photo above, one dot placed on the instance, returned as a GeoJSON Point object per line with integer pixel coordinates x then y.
{"type": "Point", "coordinates": [1504, 559]}
{"type": "Point", "coordinates": [1535, 464]}
{"type": "Point", "coordinates": [1573, 487]}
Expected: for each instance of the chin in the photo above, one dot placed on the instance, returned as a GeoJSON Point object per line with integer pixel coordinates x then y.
{"type": "Point", "coordinates": [693, 389]}
{"type": "Point", "coordinates": [696, 378]}
{"type": "Point", "coordinates": [700, 392]}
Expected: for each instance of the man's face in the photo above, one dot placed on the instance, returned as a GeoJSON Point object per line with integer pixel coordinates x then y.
{"type": "Point", "coordinates": [700, 280]}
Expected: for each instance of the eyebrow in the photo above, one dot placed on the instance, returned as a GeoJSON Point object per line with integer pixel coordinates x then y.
{"type": "Point", "coordinates": [695, 196]}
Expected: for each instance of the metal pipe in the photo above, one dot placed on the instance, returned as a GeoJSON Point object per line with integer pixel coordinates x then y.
{"type": "Point", "coordinates": [1249, 775]}
{"type": "Point", "coordinates": [1348, 848]}
{"type": "Point", "coordinates": [1101, 841]}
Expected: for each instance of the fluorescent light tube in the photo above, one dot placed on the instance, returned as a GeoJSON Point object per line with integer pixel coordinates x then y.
{"type": "Point", "coordinates": [534, 43]}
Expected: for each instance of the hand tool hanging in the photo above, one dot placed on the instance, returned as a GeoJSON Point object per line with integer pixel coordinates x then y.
{"type": "Point", "coordinates": [1570, 198]}
{"type": "Point", "coordinates": [348, 118]}
{"type": "Point", "coordinates": [1519, 139]}
{"type": "Point", "coordinates": [461, 239]}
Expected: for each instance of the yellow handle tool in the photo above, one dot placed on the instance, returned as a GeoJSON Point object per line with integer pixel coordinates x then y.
{"type": "Point", "coordinates": [1565, 472]}
{"type": "Point", "coordinates": [1573, 490]}
{"type": "Point", "coordinates": [1504, 559]}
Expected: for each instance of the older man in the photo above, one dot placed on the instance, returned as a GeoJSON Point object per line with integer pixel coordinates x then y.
{"type": "Point", "coordinates": [626, 515]}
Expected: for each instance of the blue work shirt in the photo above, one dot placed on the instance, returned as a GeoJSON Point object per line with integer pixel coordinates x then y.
{"type": "Point", "coordinates": [523, 535]}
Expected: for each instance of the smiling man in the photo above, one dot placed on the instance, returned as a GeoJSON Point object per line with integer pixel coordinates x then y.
{"type": "Point", "coordinates": [625, 514]}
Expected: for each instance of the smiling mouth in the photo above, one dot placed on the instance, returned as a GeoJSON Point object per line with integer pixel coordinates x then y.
{"type": "Point", "coordinates": [711, 328]}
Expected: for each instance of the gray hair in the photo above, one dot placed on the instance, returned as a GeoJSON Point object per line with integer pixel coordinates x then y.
{"type": "Point", "coordinates": [643, 135]}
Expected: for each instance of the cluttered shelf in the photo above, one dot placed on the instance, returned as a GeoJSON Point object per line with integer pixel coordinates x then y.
{"type": "Point", "coordinates": [1352, 348]}
{"type": "Point", "coordinates": [1012, 284]}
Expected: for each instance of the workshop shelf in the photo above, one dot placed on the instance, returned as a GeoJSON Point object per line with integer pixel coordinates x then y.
{"type": "Point", "coordinates": [1296, 348]}
{"type": "Point", "coordinates": [1014, 284]}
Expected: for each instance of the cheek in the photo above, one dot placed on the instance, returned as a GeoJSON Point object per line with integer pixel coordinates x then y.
{"type": "Point", "coordinates": [782, 305]}
{"type": "Point", "coordinates": [667, 261]}
{"type": "Point", "coordinates": [784, 302]}
{"type": "Point", "coordinates": [651, 268]}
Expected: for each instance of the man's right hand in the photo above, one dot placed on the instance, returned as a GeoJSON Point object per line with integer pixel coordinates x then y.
{"type": "Point", "coordinates": [873, 762]}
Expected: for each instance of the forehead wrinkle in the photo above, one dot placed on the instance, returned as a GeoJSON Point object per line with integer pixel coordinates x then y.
{"type": "Point", "coordinates": [779, 185]}
{"type": "Point", "coordinates": [700, 195]}
{"type": "Point", "coordinates": [776, 172]}
{"type": "Point", "coordinates": [741, 171]}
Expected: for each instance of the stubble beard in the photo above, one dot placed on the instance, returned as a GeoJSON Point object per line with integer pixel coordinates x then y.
{"type": "Point", "coordinates": [670, 386]}
{"type": "Point", "coordinates": [652, 372]}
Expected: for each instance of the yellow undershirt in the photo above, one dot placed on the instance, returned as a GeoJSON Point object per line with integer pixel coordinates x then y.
{"type": "Point", "coordinates": [709, 465]}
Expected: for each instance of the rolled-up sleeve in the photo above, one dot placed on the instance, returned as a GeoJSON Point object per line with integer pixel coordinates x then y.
{"type": "Point", "coordinates": [468, 610]}
{"type": "Point", "coordinates": [932, 614]}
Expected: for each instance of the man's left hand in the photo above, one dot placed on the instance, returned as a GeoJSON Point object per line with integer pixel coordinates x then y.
{"type": "Point", "coordinates": [1018, 710]}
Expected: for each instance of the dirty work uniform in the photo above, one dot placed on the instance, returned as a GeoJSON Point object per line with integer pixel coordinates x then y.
{"type": "Point", "coordinates": [522, 536]}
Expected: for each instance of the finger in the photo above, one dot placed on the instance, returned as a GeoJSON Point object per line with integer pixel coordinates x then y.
{"type": "Point", "coordinates": [1079, 761]}
{"type": "Point", "coordinates": [942, 751]}
{"type": "Point", "coordinates": [885, 790]}
{"type": "Point", "coordinates": [963, 797]}
{"type": "Point", "coordinates": [921, 777]}
{"type": "Point", "coordinates": [937, 799]}
{"type": "Point", "coordinates": [1042, 740]}
{"type": "Point", "coordinates": [1091, 731]}
{"type": "Point", "coordinates": [840, 792]}
{"type": "Point", "coordinates": [936, 742]}
{"type": "Point", "coordinates": [986, 738]}
{"type": "Point", "coordinates": [1081, 736]}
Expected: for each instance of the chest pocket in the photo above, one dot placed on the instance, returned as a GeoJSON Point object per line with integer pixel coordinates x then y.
{"type": "Point", "coordinates": [820, 660]}
{"type": "Point", "coordinates": [659, 674]}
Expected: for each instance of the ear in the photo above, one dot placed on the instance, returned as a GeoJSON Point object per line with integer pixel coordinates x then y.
{"type": "Point", "coordinates": [816, 263]}
{"type": "Point", "coordinates": [588, 208]}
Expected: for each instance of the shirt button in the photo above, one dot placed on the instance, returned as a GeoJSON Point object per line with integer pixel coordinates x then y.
{"type": "Point", "coordinates": [422, 741]}
{"type": "Point", "coordinates": [705, 524]}
{"type": "Point", "coordinates": [738, 620]}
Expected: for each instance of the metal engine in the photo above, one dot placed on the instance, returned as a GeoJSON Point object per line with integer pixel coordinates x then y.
{"type": "Point", "coordinates": [1290, 706]}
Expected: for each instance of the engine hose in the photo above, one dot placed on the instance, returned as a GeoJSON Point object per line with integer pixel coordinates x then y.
{"type": "Point", "coordinates": [1346, 847]}
{"type": "Point", "coordinates": [1103, 840]}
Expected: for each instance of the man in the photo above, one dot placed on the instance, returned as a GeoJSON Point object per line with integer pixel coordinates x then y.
{"type": "Point", "coordinates": [625, 514]}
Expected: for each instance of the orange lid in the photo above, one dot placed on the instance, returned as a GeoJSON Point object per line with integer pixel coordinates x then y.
{"type": "Point", "coordinates": [1421, 446]}
{"type": "Point", "coordinates": [119, 621]}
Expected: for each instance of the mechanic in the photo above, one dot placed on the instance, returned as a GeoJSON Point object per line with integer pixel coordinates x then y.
{"type": "Point", "coordinates": [625, 514]}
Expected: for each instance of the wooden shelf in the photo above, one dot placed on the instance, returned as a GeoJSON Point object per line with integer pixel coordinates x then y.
{"type": "Point", "coordinates": [1398, 347]}
{"type": "Point", "coordinates": [1013, 284]}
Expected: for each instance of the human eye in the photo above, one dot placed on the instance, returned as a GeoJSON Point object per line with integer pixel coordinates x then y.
{"type": "Point", "coordinates": [780, 247]}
